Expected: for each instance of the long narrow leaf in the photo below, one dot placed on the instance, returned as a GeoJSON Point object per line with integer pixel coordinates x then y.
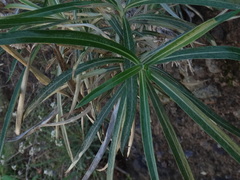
{"type": "Point", "coordinates": [132, 92]}
{"type": "Point", "coordinates": [127, 35]}
{"type": "Point", "coordinates": [29, 3]}
{"type": "Point", "coordinates": [104, 144]}
{"type": "Point", "coordinates": [170, 135]}
{"type": "Point", "coordinates": [9, 23]}
{"type": "Point", "coordinates": [59, 8]}
{"type": "Point", "coordinates": [188, 37]}
{"type": "Point", "coordinates": [146, 128]}
{"type": "Point", "coordinates": [59, 119]}
{"type": "Point", "coordinates": [97, 124]}
{"type": "Point", "coordinates": [20, 6]}
{"type": "Point", "coordinates": [197, 115]}
{"type": "Point", "coordinates": [12, 69]}
{"type": "Point", "coordinates": [10, 109]}
{"type": "Point", "coordinates": [163, 20]}
{"type": "Point", "coordinates": [116, 137]}
{"type": "Point", "coordinates": [228, 4]}
{"type": "Point", "coordinates": [131, 86]}
{"type": "Point", "coordinates": [112, 2]}
{"type": "Point", "coordinates": [66, 37]}
{"type": "Point", "coordinates": [209, 52]}
{"type": "Point", "coordinates": [1, 51]}
{"type": "Point", "coordinates": [113, 21]}
{"type": "Point", "coordinates": [169, 10]}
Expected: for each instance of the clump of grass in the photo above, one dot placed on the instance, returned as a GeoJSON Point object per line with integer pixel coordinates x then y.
{"type": "Point", "coordinates": [106, 57]}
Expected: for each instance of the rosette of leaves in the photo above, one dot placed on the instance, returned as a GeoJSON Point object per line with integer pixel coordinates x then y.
{"type": "Point", "coordinates": [106, 36]}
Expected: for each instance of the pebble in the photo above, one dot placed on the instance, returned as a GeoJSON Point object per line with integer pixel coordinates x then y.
{"type": "Point", "coordinates": [212, 66]}
{"type": "Point", "coordinates": [188, 153]}
{"type": "Point", "coordinates": [203, 173]}
{"type": "Point", "coordinates": [207, 92]}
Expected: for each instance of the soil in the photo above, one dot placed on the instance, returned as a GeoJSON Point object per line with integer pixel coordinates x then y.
{"type": "Point", "coordinates": [216, 83]}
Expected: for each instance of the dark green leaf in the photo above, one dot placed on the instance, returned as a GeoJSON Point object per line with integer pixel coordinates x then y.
{"type": "Point", "coordinates": [9, 23]}
{"type": "Point", "coordinates": [146, 128]}
{"type": "Point", "coordinates": [121, 116]}
{"type": "Point", "coordinates": [1, 51]}
{"type": "Point", "coordinates": [66, 37]}
{"type": "Point", "coordinates": [113, 21]}
{"type": "Point", "coordinates": [59, 8]}
{"type": "Point", "coordinates": [131, 86]}
{"type": "Point", "coordinates": [209, 52]}
{"type": "Point", "coordinates": [127, 35]}
{"type": "Point", "coordinates": [9, 113]}
{"type": "Point", "coordinates": [12, 70]}
{"type": "Point", "coordinates": [163, 21]}
{"type": "Point", "coordinates": [170, 135]}
{"type": "Point", "coordinates": [132, 92]}
{"type": "Point", "coordinates": [225, 4]}
{"type": "Point", "coordinates": [169, 10]}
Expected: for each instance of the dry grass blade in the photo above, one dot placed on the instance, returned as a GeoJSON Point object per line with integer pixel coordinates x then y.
{"type": "Point", "coordinates": [40, 76]}
{"type": "Point", "coordinates": [35, 127]}
{"type": "Point", "coordinates": [64, 67]}
{"type": "Point", "coordinates": [70, 120]}
{"type": "Point", "coordinates": [60, 118]}
{"type": "Point", "coordinates": [105, 143]}
{"type": "Point", "coordinates": [103, 169]}
{"type": "Point", "coordinates": [76, 94]}
{"type": "Point", "coordinates": [99, 31]}
{"type": "Point", "coordinates": [130, 142]}
{"type": "Point", "coordinates": [20, 108]}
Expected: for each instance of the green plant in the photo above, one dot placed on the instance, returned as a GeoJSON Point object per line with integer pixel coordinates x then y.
{"type": "Point", "coordinates": [109, 68]}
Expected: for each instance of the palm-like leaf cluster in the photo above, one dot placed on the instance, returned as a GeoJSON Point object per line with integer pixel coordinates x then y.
{"type": "Point", "coordinates": [105, 39]}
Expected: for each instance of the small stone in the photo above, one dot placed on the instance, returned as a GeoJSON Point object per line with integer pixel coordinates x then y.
{"type": "Point", "coordinates": [212, 66]}
{"type": "Point", "coordinates": [188, 153]}
{"type": "Point", "coordinates": [207, 92]}
{"type": "Point", "coordinates": [203, 173]}
{"type": "Point", "coordinates": [14, 167]}
{"type": "Point", "coordinates": [236, 113]}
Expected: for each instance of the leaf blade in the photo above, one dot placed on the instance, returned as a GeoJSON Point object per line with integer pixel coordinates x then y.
{"type": "Point", "coordinates": [228, 4]}
{"type": "Point", "coordinates": [162, 20]}
{"type": "Point", "coordinates": [146, 128]}
{"type": "Point", "coordinates": [9, 23]}
{"type": "Point", "coordinates": [59, 8]}
{"type": "Point", "coordinates": [10, 109]}
{"type": "Point", "coordinates": [66, 37]}
{"type": "Point", "coordinates": [116, 136]}
{"type": "Point", "coordinates": [209, 52]}
{"type": "Point", "coordinates": [170, 135]}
